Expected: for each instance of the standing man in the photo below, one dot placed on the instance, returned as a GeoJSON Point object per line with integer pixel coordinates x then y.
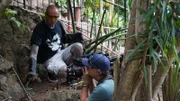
{"type": "Point", "coordinates": [97, 67]}
{"type": "Point", "coordinates": [47, 48]}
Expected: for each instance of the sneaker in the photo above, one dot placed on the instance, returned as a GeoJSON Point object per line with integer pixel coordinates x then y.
{"type": "Point", "coordinates": [52, 78]}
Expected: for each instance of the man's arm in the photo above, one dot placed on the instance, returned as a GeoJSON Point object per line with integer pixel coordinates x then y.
{"type": "Point", "coordinates": [84, 93]}
{"type": "Point", "coordinates": [87, 82]}
{"type": "Point", "coordinates": [86, 89]}
{"type": "Point", "coordinates": [33, 58]}
{"type": "Point", "coordinates": [34, 51]}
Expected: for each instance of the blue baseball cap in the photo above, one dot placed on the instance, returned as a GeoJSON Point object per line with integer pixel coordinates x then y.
{"type": "Point", "coordinates": [98, 61]}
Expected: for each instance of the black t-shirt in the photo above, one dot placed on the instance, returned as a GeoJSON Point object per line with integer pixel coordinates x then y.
{"type": "Point", "coordinates": [49, 40]}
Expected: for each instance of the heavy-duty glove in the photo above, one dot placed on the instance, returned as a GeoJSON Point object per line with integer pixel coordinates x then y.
{"type": "Point", "coordinates": [32, 65]}
{"type": "Point", "coordinates": [32, 76]}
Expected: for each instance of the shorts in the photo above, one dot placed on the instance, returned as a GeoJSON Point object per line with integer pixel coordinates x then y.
{"type": "Point", "coordinates": [78, 3]}
{"type": "Point", "coordinates": [62, 57]}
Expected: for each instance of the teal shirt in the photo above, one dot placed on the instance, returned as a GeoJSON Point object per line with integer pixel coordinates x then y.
{"type": "Point", "coordinates": [103, 92]}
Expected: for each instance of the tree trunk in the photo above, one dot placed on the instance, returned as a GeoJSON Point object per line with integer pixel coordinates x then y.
{"type": "Point", "coordinates": [128, 80]}
{"type": "Point", "coordinates": [125, 76]}
{"type": "Point", "coordinates": [129, 84]}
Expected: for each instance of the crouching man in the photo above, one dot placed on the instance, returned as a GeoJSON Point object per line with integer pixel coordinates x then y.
{"type": "Point", "coordinates": [47, 48]}
{"type": "Point", "coordinates": [97, 67]}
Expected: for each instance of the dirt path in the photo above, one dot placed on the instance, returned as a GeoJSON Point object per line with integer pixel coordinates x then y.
{"type": "Point", "coordinates": [40, 90]}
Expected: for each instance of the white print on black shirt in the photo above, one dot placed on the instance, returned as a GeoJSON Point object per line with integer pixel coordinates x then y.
{"type": "Point", "coordinates": [54, 44]}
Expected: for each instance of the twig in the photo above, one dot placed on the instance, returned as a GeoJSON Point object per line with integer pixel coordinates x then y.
{"type": "Point", "coordinates": [47, 93]}
{"type": "Point", "coordinates": [27, 94]}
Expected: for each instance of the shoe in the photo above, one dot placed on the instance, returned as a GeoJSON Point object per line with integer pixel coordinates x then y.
{"type": "Point", "coordinates": [52, 78]}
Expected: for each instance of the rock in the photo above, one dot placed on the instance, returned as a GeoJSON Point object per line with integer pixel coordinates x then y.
{"type": "Point", "coordinates": [14, 89]}
{"type": "Point", "coordinates": [5, 29]}
{"type": "Point", "coordinates": [9, 86]}
{"type": "Point", "coordinates": [5, 65]}
{"type": "Point", "coordinates": [62, 96]}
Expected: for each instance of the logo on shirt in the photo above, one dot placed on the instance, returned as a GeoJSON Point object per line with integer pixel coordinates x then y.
{"type": "Point", "coordinates": [54, 44]}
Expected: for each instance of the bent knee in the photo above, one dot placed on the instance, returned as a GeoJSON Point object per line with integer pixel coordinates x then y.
{"type": "Point", "coordinates": [62, 71]}
{"type": "Point", "coordinates": [77, 49]}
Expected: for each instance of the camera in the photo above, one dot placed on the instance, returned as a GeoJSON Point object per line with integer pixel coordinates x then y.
{"type": "Point", "coordinates": [74, 73]}
{"type": "Point", "coordinates": [75, 70]}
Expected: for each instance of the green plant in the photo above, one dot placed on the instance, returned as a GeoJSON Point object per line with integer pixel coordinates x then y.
{"type": "Point", "coordinates": [157, 45]}
{"type": "Point", "coordinates": [61, 3]}
{"type": "Point", "coordinates": [92, 10]}
{"type": "Point", "coordinates": [30, 91]}
{"type": "Point", "coordinates": [10, 15]}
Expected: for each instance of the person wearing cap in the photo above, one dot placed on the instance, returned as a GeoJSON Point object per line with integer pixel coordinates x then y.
{"type": "Point", "coordinates": [97, 67]}
{"type": "Point", "coordinates": [47, 47]}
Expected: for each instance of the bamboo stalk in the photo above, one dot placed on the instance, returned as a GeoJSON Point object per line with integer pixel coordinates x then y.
{"type": "Point", "coordinates": [92, 22]}
{"type": "Point", "coordinates": [107, 35]}
{"type": "Point", "coordinates": [99, 30]}
{"type": "Point", "coordinates": [72, 18]}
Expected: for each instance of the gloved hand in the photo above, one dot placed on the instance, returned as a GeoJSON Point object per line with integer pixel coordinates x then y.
{"type": "Point", "coordinates": [32, 65]}
{"type": "Point", "coordinates": [32, 76]}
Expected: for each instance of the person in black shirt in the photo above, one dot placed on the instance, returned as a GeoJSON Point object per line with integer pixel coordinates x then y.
{"type": "Point", "coordinates": [47, 48]}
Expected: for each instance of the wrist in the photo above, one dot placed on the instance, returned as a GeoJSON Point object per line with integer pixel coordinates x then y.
{"type": "Point", "coordinates": [85, 85]}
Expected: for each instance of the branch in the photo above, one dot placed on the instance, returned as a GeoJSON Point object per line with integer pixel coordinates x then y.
{"type": "Point", "coordinates": [27, 94]}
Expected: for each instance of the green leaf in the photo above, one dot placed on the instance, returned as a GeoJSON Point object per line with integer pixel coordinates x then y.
{"type": "Point", "coordinates": [10, 12]}
{"type": "Point", "coordinates": [137, 48]}
{"type": "Point", "coordinates": [16, 21]}
{"type": "Point", "coordinates": [23, 26]}
{"type": "Point", "coordinates": [12, 74]}
{"type": "Point", "coordinates": [154, 60]}
{"type": "Point", "coordinates": [30, 91]}
{"type": "Point", "coordinates": [159, 59]}
{"type": "Point", "coordinates": [164, 10]}
{"type": "Point", "coordinates": [145, 75]}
